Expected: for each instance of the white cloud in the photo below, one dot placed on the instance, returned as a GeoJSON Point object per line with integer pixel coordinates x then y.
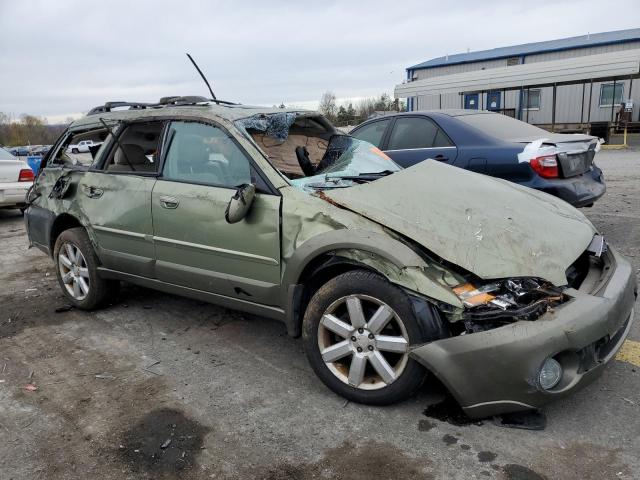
{"type": "Point", "coordinates": [68, 56]}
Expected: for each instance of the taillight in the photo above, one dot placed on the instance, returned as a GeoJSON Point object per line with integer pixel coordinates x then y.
{"type": "Point", "coordinates": [545, 166]}
{"type": "Point", "coordinates": [26, 175]}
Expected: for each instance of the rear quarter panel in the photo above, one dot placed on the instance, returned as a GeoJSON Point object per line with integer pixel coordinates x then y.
{"type": "Point", "coordinates": [483, 153]}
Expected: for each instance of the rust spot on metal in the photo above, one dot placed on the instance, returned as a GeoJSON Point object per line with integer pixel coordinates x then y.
{"type": "Point", "coordinates": [324, 197]}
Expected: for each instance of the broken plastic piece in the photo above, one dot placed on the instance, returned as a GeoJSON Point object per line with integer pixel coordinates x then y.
{"type": "Point", "coordinates": [597, 246]}
{"type": "Point", "coordinates": [501, 302]}
{"type": "Point", "coordinates": [30, 387]}
{"type": "Point", "coordinates": [472, 296]}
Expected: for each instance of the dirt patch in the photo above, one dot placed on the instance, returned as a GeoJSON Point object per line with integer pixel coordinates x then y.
{"type": "Point", "coordinates": [581, 460]}
{"type": "Point", "coordinates": [352, 462]}
{"type": "Point", "coordinates": [20, 312]}
{"type": "Point", "coordinates": [89, 403]}
{"type": "Point", "coordinates": [485, 456]}
{"type": "Point", "coordinates": [514, 471]}
{"type": "Point", "coordinates": [449, 440]}
{"type": "Point", "coordinates": [425, 425]}
{"type": "Point", "coordinates": [164, 443]}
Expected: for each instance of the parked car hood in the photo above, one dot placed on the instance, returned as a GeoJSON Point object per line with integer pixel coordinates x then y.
{"type": "Point", "coordinates": [490, 227]}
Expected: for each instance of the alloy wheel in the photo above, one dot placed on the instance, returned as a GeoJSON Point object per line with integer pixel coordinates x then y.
{"type": "Point", "coordinates": [363, 342]}
{"type": "Point", "coordinates": [73, 271]}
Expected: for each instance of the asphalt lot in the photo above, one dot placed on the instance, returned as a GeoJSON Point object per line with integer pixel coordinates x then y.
{"type": "Point", "coordinates": [236, 398]}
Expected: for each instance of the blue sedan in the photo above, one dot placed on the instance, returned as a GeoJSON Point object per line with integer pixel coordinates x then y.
{"type": "Point", "coordinates": [492, 144]}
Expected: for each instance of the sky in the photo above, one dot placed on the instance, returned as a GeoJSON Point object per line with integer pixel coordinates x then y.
{"type": "Point", "coordinates": [61, 57]}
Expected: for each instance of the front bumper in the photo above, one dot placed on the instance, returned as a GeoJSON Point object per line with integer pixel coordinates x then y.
{"type": "Point", "coordinates": [14, 194]}
{"type": "Point", "coordinates": [496, 371]}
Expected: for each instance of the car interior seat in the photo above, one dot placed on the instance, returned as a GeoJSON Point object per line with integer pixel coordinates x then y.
{"type": "Point", "coordinates": [133, 155]}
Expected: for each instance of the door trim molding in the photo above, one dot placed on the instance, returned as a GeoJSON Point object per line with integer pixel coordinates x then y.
{"type": "Point", "coordinates": [274, 312]}
{"type": "Point", "coordinates": [224, 251]}
{"type": "Point", "coordinates": [424, 148]}
{"type": "Point", "coordinates": [120, 232]}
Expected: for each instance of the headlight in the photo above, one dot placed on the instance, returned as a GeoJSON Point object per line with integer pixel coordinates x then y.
{"type": "Point", "coordinates": [550, 374]}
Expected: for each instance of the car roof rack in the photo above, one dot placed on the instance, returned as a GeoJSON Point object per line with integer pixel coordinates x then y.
{"type": "Point", "coordinates": [176, 100]}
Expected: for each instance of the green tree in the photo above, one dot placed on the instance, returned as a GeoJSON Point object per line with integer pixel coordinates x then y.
{"type": "Point", "coordinates": [328, 105]}
{"type": "Point", "coordinates": [342, 118]}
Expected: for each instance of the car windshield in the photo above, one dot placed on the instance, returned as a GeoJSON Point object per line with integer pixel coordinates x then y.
{"type": "Point", "coordinates": [347, 162]}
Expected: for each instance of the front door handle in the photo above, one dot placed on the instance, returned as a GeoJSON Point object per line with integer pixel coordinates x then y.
{"type": "Point", "coordinates": [169, 202]}
{"type": "Point", "coordinates": [92, 192]}
{"type": "Point", "coordinates": [441, 158]}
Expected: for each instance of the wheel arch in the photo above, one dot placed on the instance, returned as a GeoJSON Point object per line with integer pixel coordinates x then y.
{"type": "Point", "coordinates": [326, 256]}
{"type": "Point", "coordinates": [63, 222]}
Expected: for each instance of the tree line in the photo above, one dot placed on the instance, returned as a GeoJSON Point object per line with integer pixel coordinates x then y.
{"type": "Point", "coordinates": [34, 130]}
{"type": "Point", "coordinates": [353, 114]}
{"type": "Point", "coordinates": [27, 130]}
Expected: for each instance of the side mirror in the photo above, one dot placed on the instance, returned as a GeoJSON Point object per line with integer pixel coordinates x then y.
{"type": "Point", "coordinates": [240, 203]}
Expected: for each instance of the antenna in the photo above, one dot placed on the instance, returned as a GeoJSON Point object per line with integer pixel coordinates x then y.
{"type": "Point", "coordinates": [213, 95]}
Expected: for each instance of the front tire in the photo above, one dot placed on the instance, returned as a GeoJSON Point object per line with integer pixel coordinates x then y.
{"type": "Point", "coordinates": [74, 150]}
{"type": "Point", "coordinates": [357, 330]}
{"type": "Point", "coordinates": [77, 271]}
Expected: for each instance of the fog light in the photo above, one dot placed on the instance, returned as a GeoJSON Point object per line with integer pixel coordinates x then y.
{"type": "Point", "coordinates": [550, 374]}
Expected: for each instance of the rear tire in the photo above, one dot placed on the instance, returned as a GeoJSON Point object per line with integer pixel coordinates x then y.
{"type": "Point", "coordinates": [357, 330]}
{"type": "Point", "coordinates": [77, 271]}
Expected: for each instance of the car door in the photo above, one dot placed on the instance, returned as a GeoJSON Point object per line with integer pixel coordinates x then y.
{"type": "Point", "coordinates": [415, 138]}
{"type": "Point", "coordinates": [115, 198]}
{"type": "Point", "coordinates": [195, 246]}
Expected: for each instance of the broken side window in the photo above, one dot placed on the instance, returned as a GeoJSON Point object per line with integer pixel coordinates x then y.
{"type": "Point", "coordinates": [137, 149]}
{"type": "Point", "coordinates": [81, 148]}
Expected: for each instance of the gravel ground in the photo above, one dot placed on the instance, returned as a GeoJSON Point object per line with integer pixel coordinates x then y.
{"type": "Point", "coordinates": [157, 386]}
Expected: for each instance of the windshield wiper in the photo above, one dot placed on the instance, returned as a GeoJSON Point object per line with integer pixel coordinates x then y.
{"type": "Point", "coordinates": [361, 177]}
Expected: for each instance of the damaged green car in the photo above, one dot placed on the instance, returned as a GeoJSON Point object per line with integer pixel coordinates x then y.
{"type": "Point", "coordinates": [507, 295]}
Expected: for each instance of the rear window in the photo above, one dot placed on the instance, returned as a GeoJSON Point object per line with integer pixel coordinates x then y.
{"type": "Point", "coordinates": [503, 127]}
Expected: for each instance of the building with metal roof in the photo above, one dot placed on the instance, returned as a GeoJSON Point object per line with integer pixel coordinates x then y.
{"type": "Point", "coordinates": [565, 84]}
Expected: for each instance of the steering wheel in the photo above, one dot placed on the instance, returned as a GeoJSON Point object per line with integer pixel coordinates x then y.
{"type": "Point", "coordinates": [305, 162]}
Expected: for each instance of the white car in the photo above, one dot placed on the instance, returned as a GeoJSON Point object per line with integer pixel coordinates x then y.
{"type": "Point", "coordinates": [16, 177]}
{"type": "Point", "coordinates": [81, 147]}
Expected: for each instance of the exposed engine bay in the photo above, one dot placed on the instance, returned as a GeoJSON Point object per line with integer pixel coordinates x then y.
{"type": "Point", "coordinates": [506, 301]}
{"type": "Point", "coordinates": [497, 303]}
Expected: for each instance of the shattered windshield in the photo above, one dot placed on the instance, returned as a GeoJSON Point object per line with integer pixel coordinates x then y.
{"type": "Point", "coordinates": [347, 162]}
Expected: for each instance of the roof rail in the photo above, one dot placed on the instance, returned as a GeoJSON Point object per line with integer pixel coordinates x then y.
{"type": "Point", "coordinates": [164, 102]}
{"type": "Point", "coordinates": [107, 107]}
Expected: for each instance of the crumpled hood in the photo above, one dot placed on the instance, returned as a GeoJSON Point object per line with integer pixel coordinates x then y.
{"type": "Point", "coordinates": [490, 227]}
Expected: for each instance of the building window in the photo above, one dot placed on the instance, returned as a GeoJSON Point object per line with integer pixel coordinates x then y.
{"type": "Point", "coordinates": [513, 61]}
{"type": "Point", "coordinates": [607, 97]}
{"type": "Point", "coordinates": [531, 99]}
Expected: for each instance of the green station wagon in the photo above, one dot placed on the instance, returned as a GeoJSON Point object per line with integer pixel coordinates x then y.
{"type": "Point", "coordinates": [507, 295]}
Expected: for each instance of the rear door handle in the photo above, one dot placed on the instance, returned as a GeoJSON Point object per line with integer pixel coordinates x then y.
{"type": "Point", "coordinates": [92, 192]}
{"type": "Point", "coordinates": [169, 202]}
{"type": "Point", "coordinates": [441, 158]}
